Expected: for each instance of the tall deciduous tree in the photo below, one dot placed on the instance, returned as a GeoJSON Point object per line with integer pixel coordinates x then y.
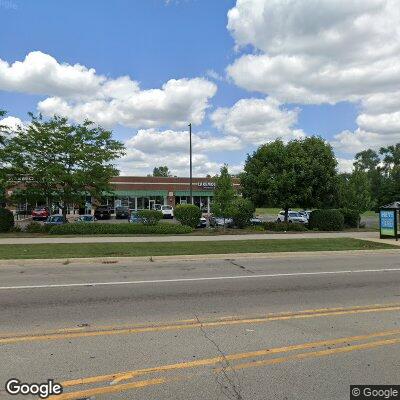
{"type": "Point", "coordinates": [300, 173]}
{"type": "Point", "coordinates": [369, 162]}
{"type": "Point", "coordinates": [391, 156]}
{"type": "Point", "coordinates": [64, 161]}
{"type": "Point", "coordinates": [357, 192]}
{"type": "Point", "coordinates": [224, 194]}
{"type": "Point", "coordinates": [161, 171]}
{"type": "Point", "coordinates": [3, 161]}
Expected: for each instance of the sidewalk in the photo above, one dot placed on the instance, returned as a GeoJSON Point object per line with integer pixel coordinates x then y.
{"type": "Point", "coordinates": [147, 239]}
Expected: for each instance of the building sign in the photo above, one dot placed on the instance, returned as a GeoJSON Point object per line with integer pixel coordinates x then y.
{"type": "Point", "coordinates": [206, 185]}
{"type": "Point", "coordinates": [388, 224]}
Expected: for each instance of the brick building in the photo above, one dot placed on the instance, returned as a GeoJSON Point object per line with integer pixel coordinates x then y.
{"type": "Point", "coordinates": [143, 192]}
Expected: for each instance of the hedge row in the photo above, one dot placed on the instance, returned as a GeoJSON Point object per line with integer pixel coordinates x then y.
{"type": "Point", "coordinates": [35, 227]}
{"type": "Point", "coordinates": [150, 217]}
{"type": "Point", "coordinates": [351, 217]}
{"type": "Point", "coordinates": [326, 220]}
{"type": "Point", "coordinates": [188, 214]}
{"type": "Point", "coordinates": [105, 229]}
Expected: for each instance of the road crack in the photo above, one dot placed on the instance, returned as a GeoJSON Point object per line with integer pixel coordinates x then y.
{"type": "Point", "coordinates": [236, 264]}
{"type": "Point", "coordinates": [230, 387]}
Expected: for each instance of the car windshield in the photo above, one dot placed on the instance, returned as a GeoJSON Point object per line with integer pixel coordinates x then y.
{"type": "Point", "coordinates": [166, 207]}
{"type": "Point", "coordinates": [294, 214]}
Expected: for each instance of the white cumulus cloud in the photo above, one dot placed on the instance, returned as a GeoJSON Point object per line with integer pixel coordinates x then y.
{"type": "Point", "coordinates": [79, 92]}
{"type": "Point", "coordinates": [324, 51]}
{"type": "Point", "coordinates": [150, 148]}
{"type": "Point", "coordinates": [257, 121]}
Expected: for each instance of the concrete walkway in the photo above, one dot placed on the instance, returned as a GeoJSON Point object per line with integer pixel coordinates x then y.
{"type": "Point", "coordinates": [182, 238]}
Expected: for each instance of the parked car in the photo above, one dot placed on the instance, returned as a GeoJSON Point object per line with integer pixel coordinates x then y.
{"type": "Point", "coordinates": [134, 218]}
{"type": "Point", "coordinates": [216, 222]}
{"type": "Point", "coordinates": [86, 218]}
{"type": "Point", "coordinates": [40, 213]}
{"type": "Point", "coordinates": [202, 223]}
{"type": "Point", "coordinates": [293, 216]}
{"type": "Point", "coordinates": [121, 212]}
{"type": "Point", "coordinates": [256, 221]}
{"type": "Point", "coordinates": [167, 211]}
{"type": "Point", "coordinates": [157, 207]}
{"type": "Point", "coordinates": [103, 212]}
{"type": "Point", "coordinates": [305, 213]}
{"type": "Point", "coordinates": [55, 220]}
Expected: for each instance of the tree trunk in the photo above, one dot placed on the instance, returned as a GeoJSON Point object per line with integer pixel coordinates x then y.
{"type": "Point", "coordinates": [64, 213]}
{"type": "Point", "coordinates": [286, 214]}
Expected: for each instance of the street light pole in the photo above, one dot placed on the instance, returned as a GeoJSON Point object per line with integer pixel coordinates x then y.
{"type": "Point", "coordinates": [190, 150]}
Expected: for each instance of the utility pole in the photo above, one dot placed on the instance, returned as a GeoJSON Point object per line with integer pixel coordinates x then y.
{"type": "Point", "coordinates": [190, 150]}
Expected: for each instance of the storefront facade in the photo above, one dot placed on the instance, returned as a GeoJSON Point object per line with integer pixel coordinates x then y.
{"type": "Point", "coordinates": [144, 192]}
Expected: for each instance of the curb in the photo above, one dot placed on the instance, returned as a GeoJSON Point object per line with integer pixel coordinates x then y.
{"type": "Point", "coordinates": [195, 257]}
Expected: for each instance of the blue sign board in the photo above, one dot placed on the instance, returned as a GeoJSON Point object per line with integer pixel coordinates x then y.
{"type": "Point", "coordinates": [388, 223]}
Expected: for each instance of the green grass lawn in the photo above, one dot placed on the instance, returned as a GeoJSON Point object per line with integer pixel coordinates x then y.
{"type": "Point", "coordinates": [370, 214]}
{"type": "Point", "coordinates": [84, 250]}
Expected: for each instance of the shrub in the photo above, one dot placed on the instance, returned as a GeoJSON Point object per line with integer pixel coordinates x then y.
{"type": "Point", "coordinates": [284, 226]}
{"type": "Point", "coordinates": [150, 217]}
{"type": "Point", "coordinates": [6, 220]}
{"type": "Point", "coordinates": [242, 211]}
{"type": "Point", "coordinates": [106, 229]}
{"type": "Point", "coordinates": [15, 229]}
{"type": "Point", "coordinates": [35, 227]}
{"type": "Point", "coordinates": [188, 214]}
{"type": "Point", "coordinates": [351, 217]}
{"type": "Point", "coordinates": [326, 220]}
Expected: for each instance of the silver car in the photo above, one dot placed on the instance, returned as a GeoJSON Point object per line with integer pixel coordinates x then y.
{"type": "Point", "coordinates": [293, 216]}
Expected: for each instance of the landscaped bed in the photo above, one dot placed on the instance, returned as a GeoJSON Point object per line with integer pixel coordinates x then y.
{"type": "Point", "coordinates": [85, 250]}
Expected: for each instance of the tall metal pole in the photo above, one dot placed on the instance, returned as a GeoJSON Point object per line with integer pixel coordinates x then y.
{"type": "Point", "coordinates": [191, 177]}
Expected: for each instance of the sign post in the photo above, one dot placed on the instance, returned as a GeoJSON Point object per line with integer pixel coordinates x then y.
{"type": "Point", "coordinates": [388, 223]}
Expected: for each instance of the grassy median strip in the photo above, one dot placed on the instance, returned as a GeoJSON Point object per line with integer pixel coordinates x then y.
{"type": "Point", "coordinates": [85, 250]}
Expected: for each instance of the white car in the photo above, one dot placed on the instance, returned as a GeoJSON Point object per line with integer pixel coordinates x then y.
{"type": "Point", "coordinates": [167, 211]}
{"type": "Point", "coordinates": [293, 217]}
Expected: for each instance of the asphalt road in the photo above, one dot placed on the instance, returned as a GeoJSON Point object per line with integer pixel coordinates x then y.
{"type": "Point", "coordinates": [292, 327]}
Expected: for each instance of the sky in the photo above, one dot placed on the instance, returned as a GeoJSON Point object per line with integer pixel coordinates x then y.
{"type": "Point", "coordinates": [243, 72]}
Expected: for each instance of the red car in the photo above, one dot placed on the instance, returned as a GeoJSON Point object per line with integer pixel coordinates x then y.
{"type": "Point", "coordinates": [40, 213]}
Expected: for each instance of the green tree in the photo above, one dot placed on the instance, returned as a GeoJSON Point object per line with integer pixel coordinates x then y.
{"type": "Point", "coordinates": [368, 161]}
{"type": "Point", "coordinates": [301, 173]}
{"type": "Point", "coordinates": [63, 161]}
{"type": "Point", "coordinates": [242, 212]}
{"type": "Point", "coordinates": [3, 159]}
{"type": "Point", "coordinates": [391, 156]}
{"type": "Point", "coordinates": [224, 194]}
{"type": "Point", "coordinates": [161, 171]}
{"type": "Point", "coordinates": [357, 192]}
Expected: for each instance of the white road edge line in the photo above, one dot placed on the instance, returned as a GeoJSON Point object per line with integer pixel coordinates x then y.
{"type": "Point", "coordinates": [213, 278]}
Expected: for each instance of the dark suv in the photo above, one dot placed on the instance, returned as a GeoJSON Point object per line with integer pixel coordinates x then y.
{"type": "Point", "coordinates": [103, 212]}
{"type": "Point", "coordinates": [121, 212]}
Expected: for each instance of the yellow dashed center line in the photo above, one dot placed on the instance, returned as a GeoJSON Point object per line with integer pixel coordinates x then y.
{"type": "Point", "coordinates": [190, 324]}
